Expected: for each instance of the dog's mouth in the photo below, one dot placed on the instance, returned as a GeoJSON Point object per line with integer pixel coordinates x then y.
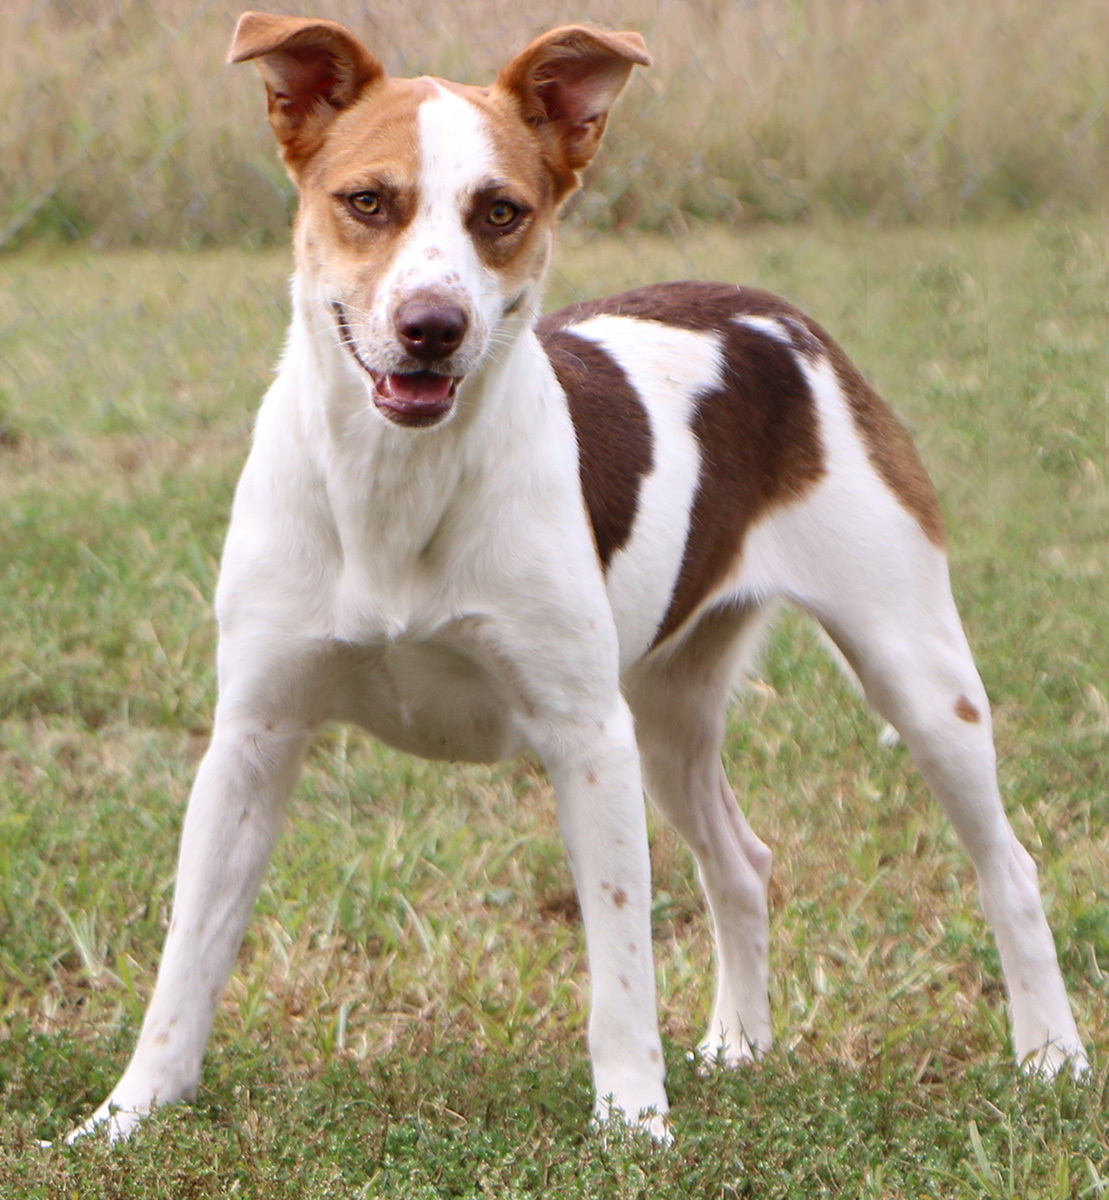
{"type": "Point", "coordinates": [409, 398]}
{"type": "Point", "coordinates": [414, 397]}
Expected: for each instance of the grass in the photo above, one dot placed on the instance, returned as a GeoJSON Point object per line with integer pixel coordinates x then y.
{"type": "Point", "coordinates": [406, 1019]}
{"type": "Point", "coordinates": [132, 130]}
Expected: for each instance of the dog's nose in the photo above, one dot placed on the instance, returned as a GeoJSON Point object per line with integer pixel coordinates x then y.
{"type": "Point", "coordinates": [429, 330]}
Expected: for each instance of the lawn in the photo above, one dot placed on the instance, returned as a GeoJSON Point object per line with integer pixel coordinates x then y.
{"type": "Point", "coordinates": [406, 1019]}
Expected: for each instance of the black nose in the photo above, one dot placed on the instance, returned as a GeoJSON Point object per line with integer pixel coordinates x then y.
{"type": "Point", "coordinates": [429, 330]}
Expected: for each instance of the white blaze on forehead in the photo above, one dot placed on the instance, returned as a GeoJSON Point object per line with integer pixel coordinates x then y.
{"type": "Point", "coordinates": [455, 159]}
{"type": "Point", "coordinates": [456, 153]}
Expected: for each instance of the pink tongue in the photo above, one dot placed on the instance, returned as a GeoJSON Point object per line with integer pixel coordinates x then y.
{"type": "Point", "coordinates": [421, 387]}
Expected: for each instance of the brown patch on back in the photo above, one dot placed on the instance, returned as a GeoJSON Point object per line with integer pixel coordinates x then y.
{"type": "Point", "coordinates": [966, 711]}
{"type": "Point", "coordinates": [613, 432]}
{"type": "Point", "coordinates": [757, 432]}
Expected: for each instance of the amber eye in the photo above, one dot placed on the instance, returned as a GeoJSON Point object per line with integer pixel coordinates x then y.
{"type": "Point", "coordinates": [365, 204]}
{"type": "Point", "coordinates": [502, 214]}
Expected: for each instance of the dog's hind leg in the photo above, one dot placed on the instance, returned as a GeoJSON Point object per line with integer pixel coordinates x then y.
{"type": "Point", "coordinates": [880, 588]}
{"type": "Point", "coordinates": [233, 818]}
{"type": "Point", "coordinates": [679, 698]}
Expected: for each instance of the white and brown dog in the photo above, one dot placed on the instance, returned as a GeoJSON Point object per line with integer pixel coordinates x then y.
{"type": "Point", "coordinates": [476, 533]}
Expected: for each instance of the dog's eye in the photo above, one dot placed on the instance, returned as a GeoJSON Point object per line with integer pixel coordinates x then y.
{"type": "Point", "coordinates": [365, 204]}
{"type": "Point", "coordinates": [502, 214]}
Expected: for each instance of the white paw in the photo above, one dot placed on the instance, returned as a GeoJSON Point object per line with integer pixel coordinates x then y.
{"type": "Point", "coordinates": [611, 1118]}
{"type": "Point", "coordinates": [1056, 1057]}
{"type": "Point", "coordinates": [116, 1123]}
{"type": "Point", "coordinates": [721, 1050]}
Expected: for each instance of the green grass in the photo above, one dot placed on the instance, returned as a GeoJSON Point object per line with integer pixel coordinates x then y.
{"type": "Point", "coordinates": [406, 1019]}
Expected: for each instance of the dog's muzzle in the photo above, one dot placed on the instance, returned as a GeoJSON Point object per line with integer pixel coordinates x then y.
{"type": "Point", "coordinates": [430, 333]}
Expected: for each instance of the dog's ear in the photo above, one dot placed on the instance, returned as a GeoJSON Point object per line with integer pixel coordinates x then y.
{"type": "Point", "coordinates": [565, 83]}
{"type": "Point", "coordinates": [313, 69]}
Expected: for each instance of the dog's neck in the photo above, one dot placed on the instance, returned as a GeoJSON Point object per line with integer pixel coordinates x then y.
{"type": "Point", "coordinates": [393, 492]}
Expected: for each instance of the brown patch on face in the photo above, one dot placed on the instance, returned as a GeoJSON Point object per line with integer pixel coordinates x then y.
{"type": "Point", "coordinates": [613, 432]}
{"type": "Point", "coordinates": [966, 711]}
{"type": "Point", "coordinates": [757, 432]}
{"type": "Point", "coordinates": [519, 251]}
{"type": "Point", "coordinates": [371, 148]}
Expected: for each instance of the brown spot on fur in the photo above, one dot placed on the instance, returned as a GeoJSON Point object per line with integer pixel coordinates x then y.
{"type": "Point", "coordinates": [591, 776]}
{"type": "Point", "coordinates": [613, 432]}
{"type": "Point", "coordinates": [655, 1056]}
{"type": "Point", "coordinates": [624, 984]}
{"type": "Point", "coordinates": [162, 1039]}
{"type": "Point", "coordinates": [966, 711]}
{"type": "Point", "coordinates": [619, 897]}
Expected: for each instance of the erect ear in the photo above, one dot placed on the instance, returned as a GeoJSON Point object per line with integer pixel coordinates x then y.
{"type": "Point", "coordinates": [312, 68]}
{"type": "Point", "coordinates": [565, 82]}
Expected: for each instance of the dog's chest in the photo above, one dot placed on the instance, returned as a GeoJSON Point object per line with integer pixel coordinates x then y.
{"type": "Point", "coordinates": [437, 697]}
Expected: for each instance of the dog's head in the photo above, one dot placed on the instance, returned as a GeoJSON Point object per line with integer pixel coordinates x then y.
{"type": "Point", "coordinates": [427, 208]}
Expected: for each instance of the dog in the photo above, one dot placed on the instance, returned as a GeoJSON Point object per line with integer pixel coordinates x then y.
{"type": "Point", "coordinates": [476, 532]}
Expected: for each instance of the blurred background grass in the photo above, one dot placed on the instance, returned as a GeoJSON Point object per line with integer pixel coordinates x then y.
{"type": "Point", "coordinates": [124, 126]}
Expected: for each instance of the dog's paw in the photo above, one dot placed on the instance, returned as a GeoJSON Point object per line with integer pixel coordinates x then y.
{"type": "Point", "coordinates": [716, 1053]}
{"type": "Point", "coordinates": [611, 1123]}
{"type": "Point", "coordinates": [117, 1124]}
{"type": "Point", "coordinates": [1053, 1059]}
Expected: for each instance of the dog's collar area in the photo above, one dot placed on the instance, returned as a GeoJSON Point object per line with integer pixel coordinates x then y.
{"type": "Point", "coordinates": [414, 399]}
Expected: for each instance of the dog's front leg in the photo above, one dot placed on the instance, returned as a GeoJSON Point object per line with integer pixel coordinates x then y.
{"type": "Point", "coordinates": [233, 818]}
{"type": "Point", "coordinates": [603, 822]}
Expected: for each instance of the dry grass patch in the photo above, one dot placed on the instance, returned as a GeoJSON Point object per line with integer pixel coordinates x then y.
{"type": "Point", "coordinates": [131, 128]}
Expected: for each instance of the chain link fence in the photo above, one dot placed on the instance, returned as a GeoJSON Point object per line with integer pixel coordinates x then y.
{"type": "Point", "coordinates": [124, 126]}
